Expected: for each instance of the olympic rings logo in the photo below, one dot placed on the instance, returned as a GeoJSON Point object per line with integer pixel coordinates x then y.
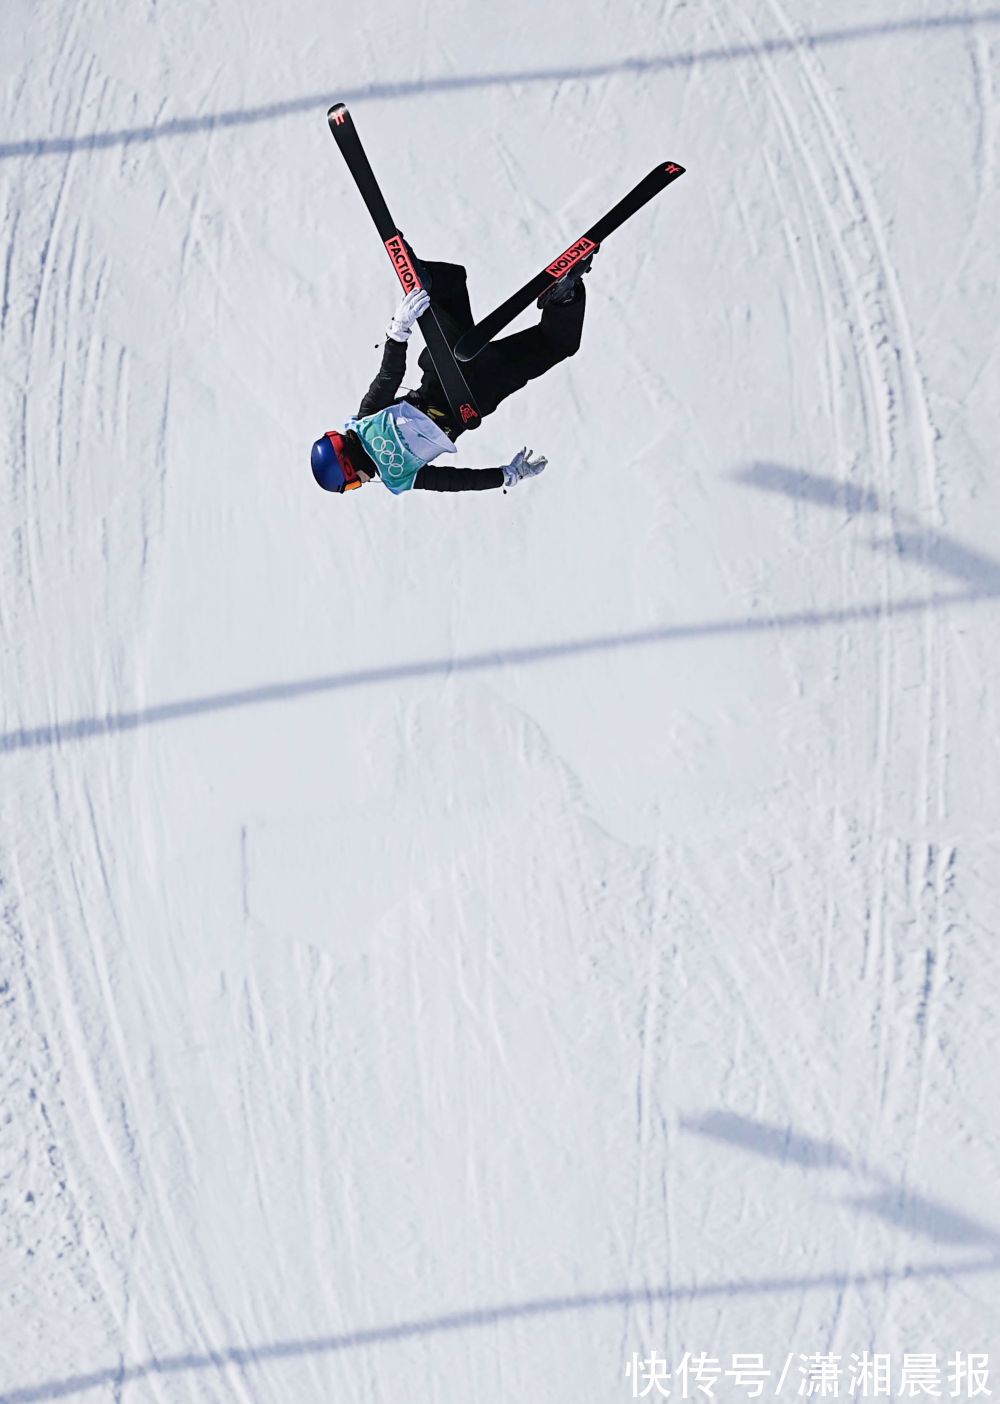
{"type": "Point", "coordinates": [388, 454]}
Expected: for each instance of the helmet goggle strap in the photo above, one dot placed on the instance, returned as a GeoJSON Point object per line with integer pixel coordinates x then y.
{"type": "Point", "coordinates": [350, 473]}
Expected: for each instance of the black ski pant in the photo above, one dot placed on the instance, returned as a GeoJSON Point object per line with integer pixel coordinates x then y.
{"type": "Point", "coordinates": [508, 364]}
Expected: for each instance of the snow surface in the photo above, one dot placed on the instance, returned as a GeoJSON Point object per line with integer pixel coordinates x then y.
{"type": "Point", "coordinates": [451, 947]}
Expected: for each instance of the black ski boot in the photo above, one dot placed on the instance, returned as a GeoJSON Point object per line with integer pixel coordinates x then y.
{"type": "Point", "coordinates": [565, 289]}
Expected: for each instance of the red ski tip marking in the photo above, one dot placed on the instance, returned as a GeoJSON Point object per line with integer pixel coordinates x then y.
{"type": "Point", "coordinates": [341, 116]}
{"type": "Point", "coordinates": [467, 413]}
{"type": "Point", "coordinates": [672, 168]}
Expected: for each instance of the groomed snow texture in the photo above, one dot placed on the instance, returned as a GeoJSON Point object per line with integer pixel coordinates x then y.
{"type": "Point", "coordinates": [452, 947]}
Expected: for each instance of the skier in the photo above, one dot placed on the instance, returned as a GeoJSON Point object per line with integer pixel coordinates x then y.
{"type": "Point", "coordinates": [395, 438]}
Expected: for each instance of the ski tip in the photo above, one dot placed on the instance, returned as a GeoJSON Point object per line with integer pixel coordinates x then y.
{"type": "Point", "coordinates": [673, 170]}
{"type": "Point", "coordinates": [337, 114]}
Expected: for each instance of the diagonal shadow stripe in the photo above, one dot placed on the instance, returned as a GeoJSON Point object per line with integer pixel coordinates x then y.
{"type": "Point", "coordinates": [387, 92]}
{"type": "Point", "coordinates": [91, 728]}
{"type": "Point", "coordinates": [484, 1316]}
{"type": "Point", "coordinates": [910, 536]}
{"type": "Point", "coordinates": [890, 1200]}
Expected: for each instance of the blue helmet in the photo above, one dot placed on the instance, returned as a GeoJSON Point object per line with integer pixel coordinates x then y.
{"type": "Point", "coordinates": [330, 465]}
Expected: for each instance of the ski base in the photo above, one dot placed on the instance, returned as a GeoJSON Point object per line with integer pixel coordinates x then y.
{"type": "Point", "coordinates": [470, 345]}
{"type": "Point", "coordinates": [461, 402]}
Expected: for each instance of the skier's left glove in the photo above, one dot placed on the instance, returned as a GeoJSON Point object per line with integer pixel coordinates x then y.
{"type": "Point", "coordinates": [522, 465]}
{"type": "Point", "coordinates": [413, 305]}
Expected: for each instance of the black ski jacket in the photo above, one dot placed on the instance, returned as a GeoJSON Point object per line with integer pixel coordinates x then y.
{"type": "Point", "coordinates": [433, 477]}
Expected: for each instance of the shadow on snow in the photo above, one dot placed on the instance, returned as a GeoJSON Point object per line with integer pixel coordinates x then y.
{"type": "Point", "coordinates": [248, 1356]}
{"type": "Point", "coordinates": [92, 728]}
{"type": "Point", "coordinates": [890, 1201]}
{"type": "Point", "coordinates": [908, 536]}
{"type": "Point", "coordinates": [387, 92]}
{"type": "Point", "coordinates": [978, 573]}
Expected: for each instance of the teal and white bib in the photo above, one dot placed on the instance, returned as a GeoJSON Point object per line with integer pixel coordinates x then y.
{"type": "Point", "coordinates": [399, 441]}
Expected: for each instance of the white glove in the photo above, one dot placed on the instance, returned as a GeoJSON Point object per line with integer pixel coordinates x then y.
{"type": "Point", "coordinates": [522, 465]}
{"type": "Point", "coordinates": [413, 305]}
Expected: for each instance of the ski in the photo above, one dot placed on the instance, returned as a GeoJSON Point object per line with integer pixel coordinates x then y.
{"type": "Point", "coordinates": [460, 398]}
{"type": "Point", "coordinates": [483, 332]}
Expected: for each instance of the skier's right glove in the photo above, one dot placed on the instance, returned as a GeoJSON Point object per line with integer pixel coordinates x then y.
{"type": "Point", "coordinates": [522, 465]}
{"type": "Point", "coordinates": [413, 305]}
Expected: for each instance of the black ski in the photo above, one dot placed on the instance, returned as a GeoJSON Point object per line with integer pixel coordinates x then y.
{"type": "Point", "coordinates": [483, 332]}
{"type": "Point", "coordinates": [449, 372]}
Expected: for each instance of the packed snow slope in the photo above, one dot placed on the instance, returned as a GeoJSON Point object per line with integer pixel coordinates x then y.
{"type": "Point", "coordinates": [455, 947]}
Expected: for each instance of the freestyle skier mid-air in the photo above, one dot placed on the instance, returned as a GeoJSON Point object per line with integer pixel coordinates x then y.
{"type": "Point", "coordinates": [396, 439]}
{"type": "Point", "coordinates": [467, 372]}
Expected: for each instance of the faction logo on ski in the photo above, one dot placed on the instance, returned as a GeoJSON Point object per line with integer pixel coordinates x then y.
{"type": "Point", "coordinates": [405, 271]}
{"type": "Point", "coordinates": [573, 254]}
{"type": "Point", "coordinates": [672, 168]}
{"type": "Point", "coordinates": [468, 414]}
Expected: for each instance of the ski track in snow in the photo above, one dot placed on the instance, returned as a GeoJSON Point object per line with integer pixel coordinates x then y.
{"type": "Point", "coordinates": [896, 395]}
{"type": "Point", "coordinates": [463, 1033]}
